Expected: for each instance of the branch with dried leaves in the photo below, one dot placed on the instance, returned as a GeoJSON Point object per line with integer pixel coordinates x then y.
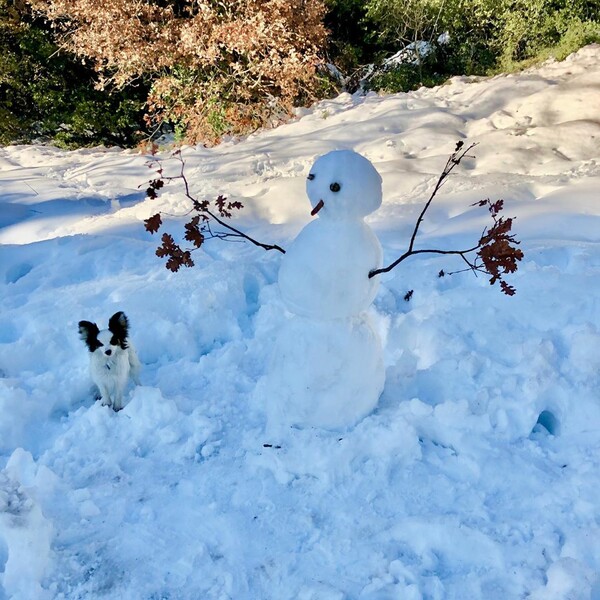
{"type": "Point", "coordinates": [200, 227]}
{"type": "Point", "coordinates": [496, 252]}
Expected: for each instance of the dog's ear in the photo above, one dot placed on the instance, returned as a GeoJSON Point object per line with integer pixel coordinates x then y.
{"type": "Point", "coordinates": [88, 332]}
{"type": "Point", "coordinates": [118, 325]}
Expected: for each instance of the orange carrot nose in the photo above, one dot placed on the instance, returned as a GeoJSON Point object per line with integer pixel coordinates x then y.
{"type": "Point", "coordinates": [317, 208]}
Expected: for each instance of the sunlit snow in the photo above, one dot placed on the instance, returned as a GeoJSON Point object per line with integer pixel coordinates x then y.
{"type": "Point", "coordinates": [476, 475]}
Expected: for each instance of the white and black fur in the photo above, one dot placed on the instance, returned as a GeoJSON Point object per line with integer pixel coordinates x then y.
{"type": "Point", "coordinates": [113, 358]}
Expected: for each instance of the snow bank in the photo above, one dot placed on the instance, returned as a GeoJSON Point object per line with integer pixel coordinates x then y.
{"type": "Point", "coordinates": [475, 477]}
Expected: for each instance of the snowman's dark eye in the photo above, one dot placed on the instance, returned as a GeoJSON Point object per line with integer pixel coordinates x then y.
{"type": "Point", "coordinates": [310, 177]}
{"type": "Point", "coordinates": [335, 187]}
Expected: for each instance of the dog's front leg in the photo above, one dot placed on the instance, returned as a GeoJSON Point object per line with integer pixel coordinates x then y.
{"type": "Point", "coordinates": [118, 401]}
{"type": "Point", "coordinates": [104, 395]}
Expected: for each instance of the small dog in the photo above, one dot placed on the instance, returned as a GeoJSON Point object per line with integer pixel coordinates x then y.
{"type": "Point", "coordinates": [113, 358]}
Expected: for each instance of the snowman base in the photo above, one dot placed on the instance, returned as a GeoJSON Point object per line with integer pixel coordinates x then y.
{"type": "Point", "coordinates": [326, 374]}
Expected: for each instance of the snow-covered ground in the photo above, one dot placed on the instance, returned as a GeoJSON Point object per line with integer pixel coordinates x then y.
{"type": "Point", "coordinates": [476, 477]}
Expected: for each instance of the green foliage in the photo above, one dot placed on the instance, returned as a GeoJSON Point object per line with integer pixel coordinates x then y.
{"type": "Point", "coordinates": [406, 20]}
{"type": "Point", "coordinates": [352, 38]}
{"type": "Point", "coordinates": [217, 119]}
{"type": "Point", "coordinates": [532, 29]}
{"type": "Point", "coordinates": [47, 95]}
{"type": "Point", "coordinates": [577, 35]}
{"type": "Point", "coordinates": [472, 26]}
{"type": "Point", "coordinates": [406, 77]}
{"type": "Point", "coordinates": [485, 36]}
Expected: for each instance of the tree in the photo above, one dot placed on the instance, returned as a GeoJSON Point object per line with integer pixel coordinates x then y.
{"type": "Point", "coordinates": [46, 94]}
{"type": "Point", "coordinates": [216, 67]}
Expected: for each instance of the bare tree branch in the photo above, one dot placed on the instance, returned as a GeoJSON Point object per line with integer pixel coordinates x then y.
{"type": "Point", "coordinates": [235, 232]}
{"type": "Point", "coordinates": [453, 160]}
{"type": "Point", "coordinates": [496, 251]}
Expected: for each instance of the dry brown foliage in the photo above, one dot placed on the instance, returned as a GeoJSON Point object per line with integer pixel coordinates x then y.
{"type": "Point", "coordinates": [217, 67]}
{"type": "Point", "coordinates": [204, 217]}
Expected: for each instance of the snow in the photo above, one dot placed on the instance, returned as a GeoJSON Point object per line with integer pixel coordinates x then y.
{"type": "Point", "coordinates": [414, 52]}
{"type": "Point", "coordinates": [326, 373]}
{"type": "Point", "coordinates": [324, 273]}
{"type": "Point", "coordinates": [346, 183]}
{"type": "Point", "coordinates": [476, 476]}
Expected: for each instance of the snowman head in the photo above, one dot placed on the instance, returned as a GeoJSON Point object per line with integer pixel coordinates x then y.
{"type": "Point", "coordinates": [343, 184]}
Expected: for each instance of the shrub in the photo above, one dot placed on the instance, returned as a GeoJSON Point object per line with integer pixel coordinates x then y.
{"type": "Point", "coordinates": [577, 35]}
{"type": "Point", "coordinates": [406, 77]}
{"type": "Point", "coordinates": [531, 27]}
{"type": "Point", "coordinates": [216, 67]}
{"type": "Point", "coordinates": [406, 21]}
{"type": "Point", "coordinates": [352, 39]}
{"type": "Point", "coordinates": [465, 29]}
{"type": "Point", "coordinates": [484, 35]}
{"type": "Point", "coordinates": [46, 94]}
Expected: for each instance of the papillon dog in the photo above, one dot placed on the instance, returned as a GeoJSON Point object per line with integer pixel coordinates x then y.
{"type": "Point", "coordinates": [113, 358]}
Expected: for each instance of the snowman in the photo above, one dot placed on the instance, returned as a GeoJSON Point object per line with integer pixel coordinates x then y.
{"type": "Point", "coordinates": [326, 368]}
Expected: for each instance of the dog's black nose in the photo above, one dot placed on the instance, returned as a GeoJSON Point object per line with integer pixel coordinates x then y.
{"type": "Point", "coordinates": [108, 352]}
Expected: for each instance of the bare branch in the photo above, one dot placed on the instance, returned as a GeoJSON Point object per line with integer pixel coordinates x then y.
{"type": "Point", "coordinates": [496, 251]}
{"type": "Point", "coordinates": [453, 160]}
{"type": "Point", "coordinates": [198, 229]}
{"type": "Point", "coordinates": [237, 232]}
{"type": "Point", "coordinates": [234, 231]}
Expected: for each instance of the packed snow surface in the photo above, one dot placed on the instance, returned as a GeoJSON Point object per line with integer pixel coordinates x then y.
{"type": "Point", "coordinates": [475, 477]}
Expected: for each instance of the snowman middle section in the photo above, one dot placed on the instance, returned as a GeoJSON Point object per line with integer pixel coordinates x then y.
{"type": "Point", "coordinates": [327, 362]}
{"type": "Point", "coordinates": [325, 272]}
